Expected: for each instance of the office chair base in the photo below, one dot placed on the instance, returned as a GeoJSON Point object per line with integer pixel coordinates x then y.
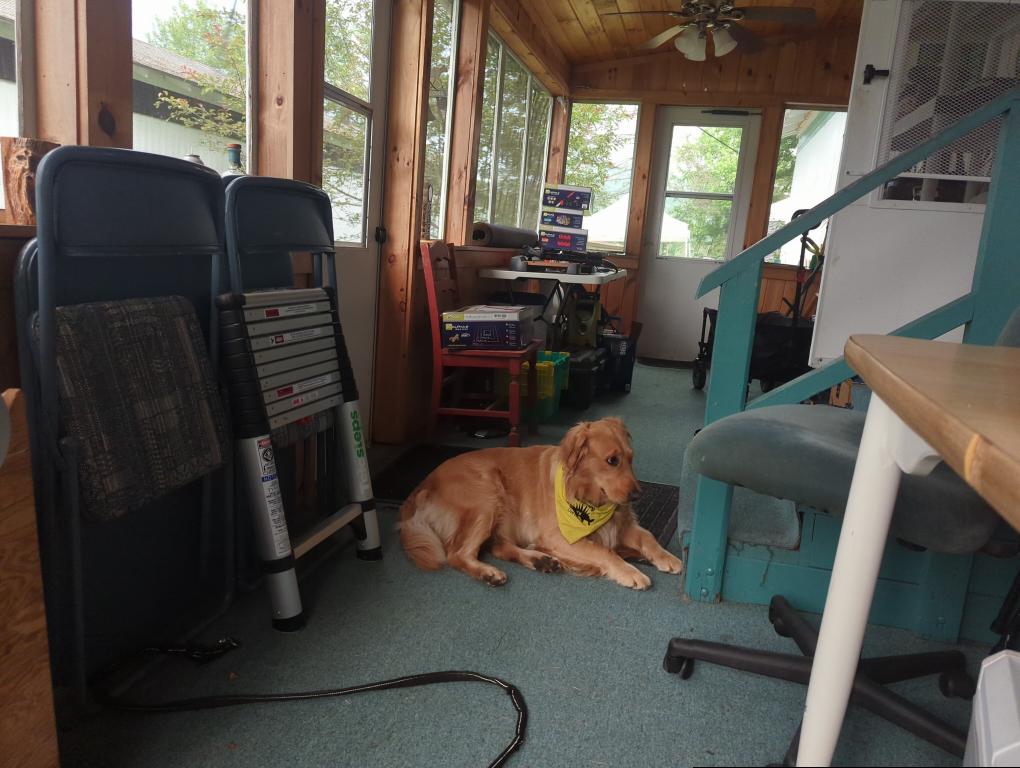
{"type": "Point", "coordinates": [868, 691]}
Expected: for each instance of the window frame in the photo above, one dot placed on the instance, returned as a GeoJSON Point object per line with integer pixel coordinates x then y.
{"type": "Point", "coordinates": [349, 101]}
{"type": "Point", "coordinates": [497, 120]}
{"type": "Point", "coordinates": [340, 97]}
{"type": "Point", "coordinates": [634, 147]}
{"type": "Point", "coordinates": [451, 90]}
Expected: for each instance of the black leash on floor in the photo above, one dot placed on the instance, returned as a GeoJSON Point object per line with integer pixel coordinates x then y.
{"type": "Point", "coordinates": [411, 681]}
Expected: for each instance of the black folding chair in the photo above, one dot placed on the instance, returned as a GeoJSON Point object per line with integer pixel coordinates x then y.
{"type": "Point", "coordinates": [123, 229]}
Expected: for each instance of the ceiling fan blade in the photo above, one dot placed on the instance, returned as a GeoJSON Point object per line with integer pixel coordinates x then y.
{"type": "Point", "coordinates": [775, 13]}
{"type": "Point", "coordinates": [748, 41]}
{"type": "Point", "coordinates": [662, 38]}
{"type": "Point", "coordinates": [639, 13]}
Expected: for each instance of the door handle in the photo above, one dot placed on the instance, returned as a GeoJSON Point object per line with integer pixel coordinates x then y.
{"type": "Point", "coordinates": [870, 73]}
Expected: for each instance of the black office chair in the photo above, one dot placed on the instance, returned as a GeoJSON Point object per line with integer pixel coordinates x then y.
{"type": "Point", "coordinates": [807, 453]}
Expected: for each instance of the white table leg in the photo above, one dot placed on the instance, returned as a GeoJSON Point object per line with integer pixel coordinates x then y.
{"type": "Point", "coordinates": [854, 575]}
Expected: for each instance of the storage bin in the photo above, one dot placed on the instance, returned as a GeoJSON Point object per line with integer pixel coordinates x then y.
{"type": "Point", "coordinates": [552, 373]}
{"type": "Point", "coordinates": [586, 366]}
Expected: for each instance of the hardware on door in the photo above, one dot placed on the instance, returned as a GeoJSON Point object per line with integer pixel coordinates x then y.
{"type": "Point", "coordinates": [870, 73]}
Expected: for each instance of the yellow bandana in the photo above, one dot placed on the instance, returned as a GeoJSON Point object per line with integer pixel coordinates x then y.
{"type": "Point", "coordinates": [576, 518]}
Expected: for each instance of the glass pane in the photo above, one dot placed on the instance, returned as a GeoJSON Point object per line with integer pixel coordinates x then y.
{"type": "Point", "coordinates": [189, 78]}
{"type": "Point", "coordinates": [695, 228]}
{"type": "Point", "coordinates": [534, 164]}
{"type": "Point", "coordinates": [806, 172]}
{"type": "Point", "coordinates": [703, 159]}
{"type": "Point", "coordinates": [485, 138]}
{"type": "Point", "coordinates": [344, 141]}
{"type": "Point", "coordinates": [510, 142]}
{"type": "Point", "coordinates": [8, 81]}
{"type": "Point", "coordinates": [349, 45]}
{"type": "Point", "coordinates": [600, 155]}
{"type": "Point", "coordinates": [436, 123]}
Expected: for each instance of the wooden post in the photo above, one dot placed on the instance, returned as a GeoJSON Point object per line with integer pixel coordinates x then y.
{"type": "Point", "coordinates": [401, 391]}
{"type": "Point", "coordinates": [558, 137]}
{"type": "Point", "coordinates": [83, 71]}
{"type": "Point", "coordinates": [291, 66]}
{"type": "Point", "coordinates": [20, 158]}
{"type": "Point", "coordinates": [764, 173]}
{"type": "Point", "coordinates": [467, 119]}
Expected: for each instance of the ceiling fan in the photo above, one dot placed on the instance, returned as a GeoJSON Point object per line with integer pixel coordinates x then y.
{"type": "Point", "coordinates": [720, 19]}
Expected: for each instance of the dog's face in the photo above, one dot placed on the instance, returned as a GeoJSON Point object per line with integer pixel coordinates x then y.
{"type": "Point", "coordinates": [598, 460]}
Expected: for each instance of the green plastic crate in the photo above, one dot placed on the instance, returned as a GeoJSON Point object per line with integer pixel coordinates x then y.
{"type": "Point", "coordinates": [553, 368]}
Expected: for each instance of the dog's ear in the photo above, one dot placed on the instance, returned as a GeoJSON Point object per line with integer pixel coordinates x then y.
{"type": "Point", "coordinates": [621, 429]}
{"type": "Point", "coordinates": [574, 446]}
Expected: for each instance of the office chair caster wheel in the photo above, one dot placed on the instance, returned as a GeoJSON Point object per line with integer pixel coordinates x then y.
{"type": "Point", "coordinates": [957, 684]}
{"type": "Point", "coordinates": [679, 665]}
{"type": "Point", "coordinates": [699, 374]}
{"type": "Point", "coordinates": [777, 624]}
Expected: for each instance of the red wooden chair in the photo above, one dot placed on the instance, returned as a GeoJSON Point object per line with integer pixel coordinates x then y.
{"type": "Point", "coordinates": [444, 296]}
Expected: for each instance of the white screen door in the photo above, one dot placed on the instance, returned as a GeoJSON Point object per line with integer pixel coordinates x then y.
{"type": "Point", "coordinates": [354, 125]}
{"type": "Point", "coordinates": [697, 213]}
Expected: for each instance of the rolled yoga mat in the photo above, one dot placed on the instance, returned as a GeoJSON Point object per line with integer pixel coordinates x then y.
{"type": "Point", "coordinates": [495, 236]}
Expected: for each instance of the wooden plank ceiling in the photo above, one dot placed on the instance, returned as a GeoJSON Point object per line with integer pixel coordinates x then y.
{"type": "Point", "coordinates": [585, 32]}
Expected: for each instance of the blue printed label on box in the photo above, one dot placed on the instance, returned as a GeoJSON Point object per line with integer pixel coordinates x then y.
{"type": "Point", "coordinates": [562, 217]}
{"type": "Point", "coordinates": [563, 239]}
{"type": "Point", "coordinates": [563, 196]}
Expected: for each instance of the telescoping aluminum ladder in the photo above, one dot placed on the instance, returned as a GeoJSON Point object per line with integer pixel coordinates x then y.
{"type": "Point", "coordinates": [290, 377]}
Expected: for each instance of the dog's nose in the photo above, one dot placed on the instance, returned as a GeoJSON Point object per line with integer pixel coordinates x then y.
{"type": "Point", "coordinates": [635, 494]}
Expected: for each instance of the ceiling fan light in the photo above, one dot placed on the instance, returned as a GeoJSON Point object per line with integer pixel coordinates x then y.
{"type": "Point", "coordinates": [723, 41]}
{"type": "Point", "coordinates": [691, 43]}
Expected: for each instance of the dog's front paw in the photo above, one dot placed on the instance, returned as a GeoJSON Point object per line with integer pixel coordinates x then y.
{"type": "Point", "coordinates": [669, 563]}
{"type": "Point", "coordinates": [633, 579]}
{"type": "Point", "coordinates": [493, 577]}
{"type": "Point", "coordinates": [546, 564]}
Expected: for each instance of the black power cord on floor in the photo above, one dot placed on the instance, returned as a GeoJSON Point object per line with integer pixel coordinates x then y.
{"type": "Point", "coordinates": [411, 681]}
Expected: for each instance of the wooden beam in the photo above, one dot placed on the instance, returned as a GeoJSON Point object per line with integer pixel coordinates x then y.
{"type": "Point", "coordinates": [400, 397]}
{"type": "Point", "coordinates": [813, 70]}
{"type": "Point", "coordinates": [467, 119]}
{"type": "Point", "coordinates": [533, 44]}
{"type": "Point", "coordinates": [764, 173]}
{"type": "Point", "coordinates": [83, 72]}
{"type": "Point", "coordinates": [291, 63]}
{"type": "Point", "coordinates": [559, 135]}
{"type": "Point", "coordinates": [641, 179]}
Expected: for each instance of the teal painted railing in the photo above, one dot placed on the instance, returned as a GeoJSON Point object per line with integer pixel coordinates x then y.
{"type": "Point", "coordinates": [984, 311]}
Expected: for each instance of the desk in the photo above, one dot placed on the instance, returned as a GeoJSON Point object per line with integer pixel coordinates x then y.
{"type": "Point", "coordinates": [597, 278]}
{"type": "Point", "coordinates": [932, 401]}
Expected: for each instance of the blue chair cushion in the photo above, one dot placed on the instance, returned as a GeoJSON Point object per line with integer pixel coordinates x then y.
{"type": "Point", "coordinates": [807, 453]}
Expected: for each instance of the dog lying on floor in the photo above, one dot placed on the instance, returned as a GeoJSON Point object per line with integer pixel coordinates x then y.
{"type": "Point", "coordinates": [548, 508]}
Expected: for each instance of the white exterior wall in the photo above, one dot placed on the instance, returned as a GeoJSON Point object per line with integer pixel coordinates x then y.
{"type": "Point", "coordinates": [165, 138]}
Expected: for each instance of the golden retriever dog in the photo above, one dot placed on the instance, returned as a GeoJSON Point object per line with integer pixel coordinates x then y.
{"type": "Point", "coordinates": [505, 500]}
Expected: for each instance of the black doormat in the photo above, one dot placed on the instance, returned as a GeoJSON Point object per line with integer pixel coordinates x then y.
{"type": "Point", "coordinates": [656, 509]}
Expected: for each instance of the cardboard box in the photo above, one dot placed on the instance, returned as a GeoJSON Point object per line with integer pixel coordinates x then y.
{"type": "Point", "coordinates": [489, 327]}
{"type": "Point", "coordinates": [562, 217]}
{"type": "Point", "coordinates": [564, 196]}
{"type": "Point", "coordinates": [563, 239]}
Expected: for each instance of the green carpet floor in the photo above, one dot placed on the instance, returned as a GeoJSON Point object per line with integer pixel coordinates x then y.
{"type": "Point", "coordinates": [585, 653]}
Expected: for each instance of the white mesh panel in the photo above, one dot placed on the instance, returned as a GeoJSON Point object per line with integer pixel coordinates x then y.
{"type": "Point", "coordinates": [950, 58]}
